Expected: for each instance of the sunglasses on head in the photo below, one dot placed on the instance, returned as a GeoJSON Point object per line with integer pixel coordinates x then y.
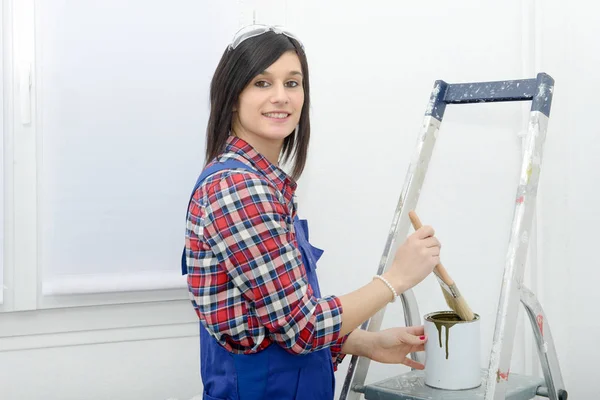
{"type": "Point", "coordinates": [251, 31]}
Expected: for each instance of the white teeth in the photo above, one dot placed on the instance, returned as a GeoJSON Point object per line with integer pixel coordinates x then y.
{"type": "Point", "coordinates": [276, 115]}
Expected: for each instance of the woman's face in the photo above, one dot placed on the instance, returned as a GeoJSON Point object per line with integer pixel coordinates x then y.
{"type": "Point", "coordinates": [269, 108]}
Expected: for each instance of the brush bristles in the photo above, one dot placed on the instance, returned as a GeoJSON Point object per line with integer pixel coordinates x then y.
{"type": "Point", "coordinates": [459, 306]}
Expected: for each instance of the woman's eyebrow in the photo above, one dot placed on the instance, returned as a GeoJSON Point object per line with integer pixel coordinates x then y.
{"type": "Point", "coordinates": [291, 73]}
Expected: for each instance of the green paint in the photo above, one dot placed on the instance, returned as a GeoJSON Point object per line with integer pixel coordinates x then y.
{"type": "Point", "coordinates": [445, 319]}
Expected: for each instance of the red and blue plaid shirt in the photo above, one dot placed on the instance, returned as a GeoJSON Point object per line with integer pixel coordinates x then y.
{"type": "Point", "coordinates": [246, 278]}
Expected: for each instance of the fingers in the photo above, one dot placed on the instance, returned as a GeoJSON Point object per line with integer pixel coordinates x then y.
{"type": "Point", "coordinates": [412, 339]}
{"type": "Point", "coordinates": [418, 330]}
{"type": "Point", "coordinates": [433, 246]}
{"type": "Point", "coordinates": [432, 242]}
{"type": "Point", "coordinates": [424, 232]}
{"type": "Point", "coordinates": [412, 364]}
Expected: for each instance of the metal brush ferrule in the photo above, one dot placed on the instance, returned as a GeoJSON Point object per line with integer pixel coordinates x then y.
{"type": "Point", "coordinates": [452, 290]}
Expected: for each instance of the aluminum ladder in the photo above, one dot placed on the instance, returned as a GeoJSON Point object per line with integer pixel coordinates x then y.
{"type": "Point", "coordinates": [497, 381]}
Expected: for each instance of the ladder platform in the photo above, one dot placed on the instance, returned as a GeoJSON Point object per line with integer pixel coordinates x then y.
{"type": "Point", "coordinates": [411, 386]}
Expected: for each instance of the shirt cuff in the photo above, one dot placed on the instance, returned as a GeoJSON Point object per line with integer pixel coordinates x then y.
{"type": "Point", "coordinates": [336, 351]}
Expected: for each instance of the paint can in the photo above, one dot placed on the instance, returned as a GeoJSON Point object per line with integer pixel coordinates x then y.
{"type": "Point", "coordinates": [452, 351]}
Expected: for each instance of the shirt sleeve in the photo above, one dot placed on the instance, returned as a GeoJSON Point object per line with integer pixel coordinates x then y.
{"type": "Point", "coordinates": [246, 227]}
{"type": "Point", "coordinates": [336, 351]}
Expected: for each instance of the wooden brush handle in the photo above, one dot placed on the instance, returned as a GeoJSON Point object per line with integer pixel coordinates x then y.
{"type": "Point", "coordinates": [439, 269]}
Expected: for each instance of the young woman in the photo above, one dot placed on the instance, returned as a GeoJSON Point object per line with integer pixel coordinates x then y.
{"type": "Point", "coordinates": [266, 332]}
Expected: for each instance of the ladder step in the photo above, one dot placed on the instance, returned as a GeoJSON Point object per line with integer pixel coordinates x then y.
{"type": "Point", "coordinates": [484, 92]}
{"type": "Point", "coordinates": [411, 386]}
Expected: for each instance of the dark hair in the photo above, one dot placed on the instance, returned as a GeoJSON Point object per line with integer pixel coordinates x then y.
{"type": "Point", "coordinates": [234, 72]}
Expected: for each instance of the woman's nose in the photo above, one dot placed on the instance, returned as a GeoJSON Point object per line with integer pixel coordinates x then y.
{"type": "Point", "coordinates": [279, 95]}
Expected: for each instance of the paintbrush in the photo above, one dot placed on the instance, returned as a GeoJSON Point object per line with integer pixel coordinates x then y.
{"type": "Point", "coordinates": [451, 293]}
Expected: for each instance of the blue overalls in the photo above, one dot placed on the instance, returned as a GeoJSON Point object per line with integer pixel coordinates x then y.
{"type": "Point", "coordinates": [272, 373]}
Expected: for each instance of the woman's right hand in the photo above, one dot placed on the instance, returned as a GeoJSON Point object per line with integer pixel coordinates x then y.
{"type": "Point", "coordinates": [414, 259]}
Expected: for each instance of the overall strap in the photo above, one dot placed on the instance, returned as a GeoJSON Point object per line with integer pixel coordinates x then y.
{"type": "Point", "coordinates": [213, 169]}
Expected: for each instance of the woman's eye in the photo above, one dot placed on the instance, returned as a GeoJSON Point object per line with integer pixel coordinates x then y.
{"type": "Point", "coordinates": [293, 84]}
{"type": "Point", "coordinates": [261, 84]}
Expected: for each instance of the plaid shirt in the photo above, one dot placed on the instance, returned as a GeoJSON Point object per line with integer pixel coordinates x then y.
{"type": "Point", "coordinates": [245, 273]}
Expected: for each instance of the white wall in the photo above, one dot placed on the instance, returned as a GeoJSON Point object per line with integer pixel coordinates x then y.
{"type": "Point", "coordinates": [373, 65]}
{"type": "Point", "coordinates": [2, 73]}
{"type": "Point", "coordinates": [570, 208]}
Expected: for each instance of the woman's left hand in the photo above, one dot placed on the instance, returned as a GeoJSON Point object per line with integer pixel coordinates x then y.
{"type": "Point", "coordinates": [391, 346]}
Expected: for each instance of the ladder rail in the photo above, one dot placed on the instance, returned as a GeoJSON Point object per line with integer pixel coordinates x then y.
{"type": "Point", "coordinates": [525, 200]}
{"type": "Point", "coordinates": [545, 345]}
{"type": "Point", "coordinates": [358, 367]}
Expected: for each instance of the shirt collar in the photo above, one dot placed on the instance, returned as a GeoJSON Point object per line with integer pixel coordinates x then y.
{"type": "Point", "coordinates": [260, 162]}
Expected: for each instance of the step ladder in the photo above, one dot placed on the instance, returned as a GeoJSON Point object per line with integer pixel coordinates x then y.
{"type": "Point", "coordinates": [497, 381]}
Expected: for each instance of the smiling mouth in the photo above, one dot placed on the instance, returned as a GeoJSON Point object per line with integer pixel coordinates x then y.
{"type": "Point", "coordinates": [278, 115]}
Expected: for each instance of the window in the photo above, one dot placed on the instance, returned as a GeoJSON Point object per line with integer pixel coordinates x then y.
{"type": "Point", "coordinates": [109, 139]}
